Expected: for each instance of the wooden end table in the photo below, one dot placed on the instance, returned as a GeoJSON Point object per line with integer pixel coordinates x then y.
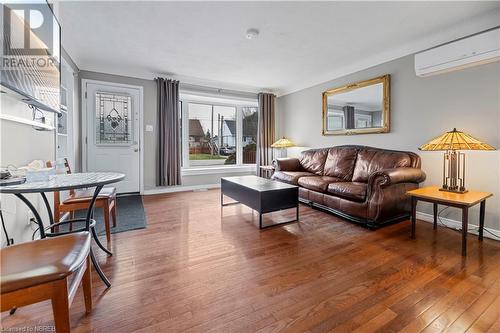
{"type": "Point", "coordinates": [463, 201]}
{"type": "Point", "coordinates": [268, 170]}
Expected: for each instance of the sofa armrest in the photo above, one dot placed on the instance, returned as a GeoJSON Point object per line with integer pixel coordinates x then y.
{"type": "Point", "coordinates": [387, 189]}
{"type": "Point", "coordinates": [287, 164]}
{"type": "Point", "coordinates": [395, 176]}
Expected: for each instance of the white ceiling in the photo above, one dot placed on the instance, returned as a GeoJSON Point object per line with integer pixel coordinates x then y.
{"type": "Point", "coordinates": [300, 44]}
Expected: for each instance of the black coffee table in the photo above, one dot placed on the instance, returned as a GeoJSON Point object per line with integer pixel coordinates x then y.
{"type": "Point", "coordinates": [262, 195]}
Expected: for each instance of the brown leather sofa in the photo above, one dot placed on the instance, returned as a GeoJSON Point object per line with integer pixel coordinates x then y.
{"type": "Point", "coordinates": [363, 184]}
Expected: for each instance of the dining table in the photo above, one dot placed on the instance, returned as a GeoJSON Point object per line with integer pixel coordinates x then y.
{"type": "Point", "coordinates": [64, 182]}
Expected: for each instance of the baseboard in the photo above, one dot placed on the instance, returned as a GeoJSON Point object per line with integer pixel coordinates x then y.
{"type": "Point", "coordinates": [181, 188]}
{"type": "Point", "coordinates": [127, 194]}
{"type": "Point", "coordinates": [457, 225]}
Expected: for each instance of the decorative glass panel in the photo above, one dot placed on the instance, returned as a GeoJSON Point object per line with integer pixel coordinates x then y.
{"type": "Point", "coordinates": [113, 119]}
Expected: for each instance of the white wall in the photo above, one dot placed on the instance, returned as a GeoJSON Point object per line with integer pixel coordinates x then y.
{"type": "Point", "coordinates": [19, 145]}
{"type": "Point", "coordinates": [422, 108]}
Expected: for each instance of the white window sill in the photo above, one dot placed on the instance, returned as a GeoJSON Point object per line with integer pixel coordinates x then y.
{"type": "Point", "coordinates": [218, 170]}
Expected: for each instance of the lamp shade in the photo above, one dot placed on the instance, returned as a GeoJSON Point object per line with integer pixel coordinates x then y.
{"type": "Point", "coordinates": [283, 143]}
{"type": "Point", "coordinates": [455, 140]}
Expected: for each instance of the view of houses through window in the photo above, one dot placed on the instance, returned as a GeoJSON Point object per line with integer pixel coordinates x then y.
{"type": "Point", "coordinates": [219, 134]}
{"type": "Point", "coordinates": [250, 121]}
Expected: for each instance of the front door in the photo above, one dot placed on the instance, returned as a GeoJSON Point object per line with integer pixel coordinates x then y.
{"type": "Point", "coordinates": [113, 132]}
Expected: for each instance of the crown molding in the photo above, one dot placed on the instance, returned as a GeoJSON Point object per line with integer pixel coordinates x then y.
{"type": "Point", "coordinates": [463, 29]}
{"type": "Point", "coordinates": [183, 79]}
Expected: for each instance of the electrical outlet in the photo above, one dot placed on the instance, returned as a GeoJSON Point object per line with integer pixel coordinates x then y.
{"type": "Point", "coordinates": [30, 216]}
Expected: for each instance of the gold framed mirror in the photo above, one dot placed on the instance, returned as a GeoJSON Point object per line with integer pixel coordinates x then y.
{"type": "Point", "coordinates": [359, 108]}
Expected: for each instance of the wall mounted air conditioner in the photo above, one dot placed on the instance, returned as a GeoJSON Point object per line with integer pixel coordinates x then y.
{"type": "Point", "coordinates": [470, 51]}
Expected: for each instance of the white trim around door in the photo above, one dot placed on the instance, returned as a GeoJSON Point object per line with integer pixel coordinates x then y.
{"type": "Point", "coordinates": [83, 113]}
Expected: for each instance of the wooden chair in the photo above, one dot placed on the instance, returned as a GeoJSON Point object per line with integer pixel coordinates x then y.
{"type": "Point", "coordinates": [47, 269]}
{"type": "Point", "coordinates": [80, 200]}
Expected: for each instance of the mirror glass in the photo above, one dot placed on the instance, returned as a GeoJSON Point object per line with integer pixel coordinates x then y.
{"type": "Point", "coordinates": [357, 108]}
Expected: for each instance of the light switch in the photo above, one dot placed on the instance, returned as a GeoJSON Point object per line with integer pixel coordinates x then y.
{"type": "Point", "coordinates": [149, 128]}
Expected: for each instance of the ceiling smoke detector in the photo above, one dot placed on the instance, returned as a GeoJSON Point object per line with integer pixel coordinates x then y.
{"type": "Point", "coordinates": [252, 34]}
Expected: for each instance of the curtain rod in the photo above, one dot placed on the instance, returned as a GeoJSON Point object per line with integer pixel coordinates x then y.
{"type": "Point", "coordinates": [210, 86]}
{"type": "Point", "coordinates": [216, 91]}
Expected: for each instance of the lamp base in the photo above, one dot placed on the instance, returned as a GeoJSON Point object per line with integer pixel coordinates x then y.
{"type": "Point", "coordinates": [453, 172]}
{"type": "Point", "coordinates": [461, 191]}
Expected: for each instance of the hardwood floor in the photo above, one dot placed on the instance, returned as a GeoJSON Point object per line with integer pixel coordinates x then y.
{"type": "Point", "coordinates": [195, 271]}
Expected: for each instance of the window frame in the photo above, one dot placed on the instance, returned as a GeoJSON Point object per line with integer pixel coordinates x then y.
{"type": "Point", "coordinates": [338, 114]}
{"type": "Point", "coordinates": [186, 167]}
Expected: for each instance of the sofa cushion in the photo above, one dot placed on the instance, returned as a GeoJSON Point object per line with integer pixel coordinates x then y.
{"type": "Point", "coordinates": [317, 183]}
{"type": "Point", "coordinates": [340, 162]}
{"type": "Point", "coordinates": [371, 160]}
{"type": "Point", "coordinates": [350, 190]}
{"type": "Point", "coordinates": [313, 160]}
{"type": "Point", "coordinates": [290, 177]}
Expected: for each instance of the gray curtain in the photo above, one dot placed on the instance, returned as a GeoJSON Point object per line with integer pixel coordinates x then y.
{"type": "Point", "coordinates": [349, 117]}
{"type": "Point", "coordinates": [265, 130]}
{"type": "Point", "coordinates": [168, 167]}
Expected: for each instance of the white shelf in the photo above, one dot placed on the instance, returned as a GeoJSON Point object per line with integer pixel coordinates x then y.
{"type": "Point", "coordinates": [23, 97]}
{"type": "Point", "coordinates": [26, 121]}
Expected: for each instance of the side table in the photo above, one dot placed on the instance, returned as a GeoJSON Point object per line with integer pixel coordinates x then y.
{"type": "Point", "coordinates": [463, 201]}
{"type": "Point", "coordinates": [267, 170]}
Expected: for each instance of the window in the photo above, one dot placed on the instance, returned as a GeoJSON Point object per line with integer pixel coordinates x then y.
{"type": "Point", "coordinates": [218, 132]}
{"type": "Point", "coordinates": [335, 120]}
{"type": "Point", "coordinates": [249, 140]}
{"type": "Point", "coordinates": [363, 120]}
{"type": "Point", "coordinates": [212, 134]}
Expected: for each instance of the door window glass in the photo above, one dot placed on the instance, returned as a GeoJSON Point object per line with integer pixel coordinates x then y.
{"type": "Point", "coordinates": [113, 119]}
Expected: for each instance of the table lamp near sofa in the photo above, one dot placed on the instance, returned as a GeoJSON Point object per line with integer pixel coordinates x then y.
{"type": "Point", "coordinates": [281, 144]}
{"type": "Point", "coordinates": [454, 160]}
